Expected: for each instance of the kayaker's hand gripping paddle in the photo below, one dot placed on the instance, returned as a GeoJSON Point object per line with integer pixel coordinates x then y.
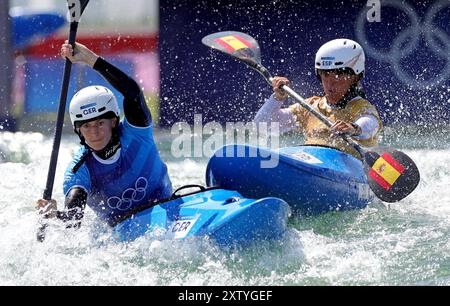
{"type": "Point", "coordinates": [392, 175]}
{"type": "Point", "coordinates": [76, 9]}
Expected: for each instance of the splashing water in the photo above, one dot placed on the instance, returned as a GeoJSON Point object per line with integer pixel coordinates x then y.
{"type": "Point", "coordinates": [395, 244]}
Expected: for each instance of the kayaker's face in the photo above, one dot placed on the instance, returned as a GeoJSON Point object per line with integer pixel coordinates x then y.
{"type": "Point", "coordinates": [336, 85]}
{"type": "Point", "coordinates": [98, 133]}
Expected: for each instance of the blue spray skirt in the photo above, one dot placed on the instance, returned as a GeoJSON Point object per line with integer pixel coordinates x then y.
{"type": "Point", "coordinates": [223, 215]}
{"type": "Point", "coordinates": [311, 179]}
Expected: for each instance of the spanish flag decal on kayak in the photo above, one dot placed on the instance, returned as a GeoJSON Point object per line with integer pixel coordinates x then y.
{"type": "Point", "coordinates": [233, 43]}
{"type": "Point", "coordinates": [386, 171]}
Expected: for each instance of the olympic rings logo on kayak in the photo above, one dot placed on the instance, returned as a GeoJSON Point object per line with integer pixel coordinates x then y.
{"type": "Point", "coordinates": [408, 40]}
{"type": "Point", "coordinates": [129, 196]}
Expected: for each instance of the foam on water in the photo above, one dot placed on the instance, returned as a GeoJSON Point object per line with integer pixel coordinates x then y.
{"type": "Point", "coordinates": [395, 244]}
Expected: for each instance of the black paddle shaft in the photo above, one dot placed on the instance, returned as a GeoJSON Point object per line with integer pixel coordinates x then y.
{"type": "Point", "coordinates": [40, 235]}
{"type": "Point", "coordinates": [76, 9]}
{"type": "Point", "coordinates": [60, 117]}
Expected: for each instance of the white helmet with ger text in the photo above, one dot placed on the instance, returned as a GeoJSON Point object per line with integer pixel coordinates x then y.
{"type": "Point", "coordinates": [341, 53]}
{"type": "Point", "coordinates": [92, 102]}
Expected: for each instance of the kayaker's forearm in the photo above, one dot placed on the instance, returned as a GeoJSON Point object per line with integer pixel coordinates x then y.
{"type": "Point", "coordinates": [135, 108]}
{"type": "Point", "coordinates": [91, 58]}
{"type": "Point", "coordinates": [267, 111]}
{"type": "Point", "coordinates": [117, 78]}
{"type": "Point", "coordinates": [271, 111]}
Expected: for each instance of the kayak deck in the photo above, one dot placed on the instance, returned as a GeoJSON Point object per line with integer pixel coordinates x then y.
{"type": "Point", "coordinates": [223, 215]}
{"type": "Point", "coordinates": [311, 179]}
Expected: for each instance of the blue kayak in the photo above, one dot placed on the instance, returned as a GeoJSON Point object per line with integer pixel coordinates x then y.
{"type": "Point", "coordinates": [223, 215]}
{"type": "Point", "coordinates": [311, 179]}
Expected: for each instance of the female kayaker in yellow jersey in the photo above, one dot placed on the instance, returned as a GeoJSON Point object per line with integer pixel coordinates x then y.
{"type": "Point", "coordinates": [339, 66]}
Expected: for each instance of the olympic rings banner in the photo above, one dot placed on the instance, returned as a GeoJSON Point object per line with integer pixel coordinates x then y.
{"type": "Point", "coordinates": [408, 42]}
{"type": "Point", "coordinates": [407, 46]}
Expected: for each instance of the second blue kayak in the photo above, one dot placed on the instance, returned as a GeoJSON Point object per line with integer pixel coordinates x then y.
{"type": "Point", "coordinates": [311, 179]}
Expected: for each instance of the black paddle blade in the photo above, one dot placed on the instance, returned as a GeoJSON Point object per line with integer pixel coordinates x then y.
{"type": "Point", "coordinates": [237, 44]}
{"type": "Point", "coordinates": [76, 9]}
{"type": "Point", "coordinates": [392, 174]}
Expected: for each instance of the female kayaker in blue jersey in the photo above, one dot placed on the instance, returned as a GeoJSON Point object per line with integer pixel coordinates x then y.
{"type": "Point", "coordinates": [118, 167]}
{"type": "Point", "coordinates": [339, 66]}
